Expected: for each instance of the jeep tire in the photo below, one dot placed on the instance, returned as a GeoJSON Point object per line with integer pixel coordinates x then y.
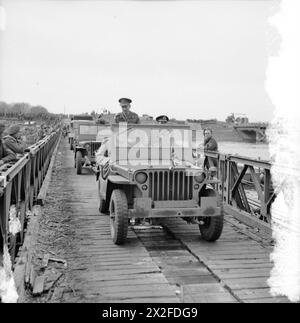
{"type": "Point", "coordinates": [212, 228]}
{"type": "Point", "coordinates": [118, 209]}
{"type": "Point", "coordinates": [78, 162]}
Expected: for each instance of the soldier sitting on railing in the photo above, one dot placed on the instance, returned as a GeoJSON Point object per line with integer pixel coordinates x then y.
{"type": "Point", "coordinates": [48, 130]}
{"type": "Point", "coordinates": [6, 155]}
{"type": "Point", "coordinates": [41, 133]}
{"type": "Point", "coordinates": [13, 140]}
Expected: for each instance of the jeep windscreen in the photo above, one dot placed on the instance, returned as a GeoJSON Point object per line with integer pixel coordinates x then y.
{"type": "Point", "coordinates": [88, 129]}
{"type": "Point", "coordinates": [104, 131]}
{"type": "Point", "coordinates": [155, 145]}
{"type": "Point", "coordinates": [87, 132]}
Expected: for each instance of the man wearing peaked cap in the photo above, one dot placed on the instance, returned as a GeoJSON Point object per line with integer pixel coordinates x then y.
{"type": "Point", "coordinates": [162, 119]}
{"type": "Point", "coordinates": [12, 140]}
{"type": "Point", "coordinates": [125, 100]}
{"type": "Point", "coordinates": [126, 115]}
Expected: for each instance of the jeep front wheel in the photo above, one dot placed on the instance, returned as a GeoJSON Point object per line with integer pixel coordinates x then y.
{"type": "Point", "coordinates": [118, 216]}
{"type": "Point", "coordinates": [212, 227]}
{"type": "Point", "coordinates": [78, 162]}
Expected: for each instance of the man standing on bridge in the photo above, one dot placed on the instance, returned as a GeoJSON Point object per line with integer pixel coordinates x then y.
{"type": "Point", "coordinates": [210, 144]}
{"type": "Point", "coordinates": [126, 115]}
{"type": "Point", "coordinates": [103, 153]}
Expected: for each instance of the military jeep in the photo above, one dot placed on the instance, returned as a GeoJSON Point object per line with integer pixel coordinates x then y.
{"type": "Point", "coordinates": [86, 142]}
{"type": "Point", "coordinates": [150, 179]}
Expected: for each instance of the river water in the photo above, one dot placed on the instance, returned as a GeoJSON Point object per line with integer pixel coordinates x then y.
{"type": "Point", "coordinates": [245, 149]}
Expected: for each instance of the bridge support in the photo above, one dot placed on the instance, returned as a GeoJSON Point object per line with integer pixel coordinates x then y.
{"type": "Point", "coordinates": [252, 133]}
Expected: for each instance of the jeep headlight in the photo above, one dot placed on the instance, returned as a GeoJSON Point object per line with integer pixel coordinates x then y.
{"type": "Point", "coordinates": [141, 177]}
{"type": "Point", "coordinates": [86, 146]}
{"type": "Point", "coordinates": [199, 178]}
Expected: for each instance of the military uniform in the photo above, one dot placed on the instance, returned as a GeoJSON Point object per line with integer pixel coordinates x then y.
{"type": "Point", "coordinates": [41, 134]}
{"type": "Point", "coordinates": [126, 115]}
{"type": "Point", "coordinates": [210, 144]}
{"type": "Point", "coordinates": [14, 144]}
{"type": "Point", "coordinates": [129, 117]}
{"type": "Point", "coordinates": [6, 155]}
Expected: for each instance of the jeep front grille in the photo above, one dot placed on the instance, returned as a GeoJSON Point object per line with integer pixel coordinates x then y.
{"type": "Point", "coordinates": [170, 185]}
{"type": "Point", "coordinates": [94, 147]}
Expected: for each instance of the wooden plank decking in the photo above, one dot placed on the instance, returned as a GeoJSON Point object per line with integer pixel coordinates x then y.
{"type": "Point", "coordinates": [240, 263]}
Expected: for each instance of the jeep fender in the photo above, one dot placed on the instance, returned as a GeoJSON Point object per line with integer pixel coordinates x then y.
{"type": "Point", "coordinates": [209, 198]}
{"type": "Point", "coordinates": [116, 182]}
{"type": "Point", "coordinates": [82, 150]}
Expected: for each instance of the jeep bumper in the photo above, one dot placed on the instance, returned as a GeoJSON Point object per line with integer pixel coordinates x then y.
{"type": "Point", "coordinates": [146, 208]}
{"type": "Point", "coordinates": [178, 212]}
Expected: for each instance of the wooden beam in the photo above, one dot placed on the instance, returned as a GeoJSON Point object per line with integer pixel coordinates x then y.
{"type": "Point", "coordinates": [239, 179]}
{"type": "Point", "coordinates": [248, 219]}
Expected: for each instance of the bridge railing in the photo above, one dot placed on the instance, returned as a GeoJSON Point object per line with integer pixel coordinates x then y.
{"type": "Point", "coordinates": [20, 182]}
{"type": "Point", "coordinates": [245, 186]}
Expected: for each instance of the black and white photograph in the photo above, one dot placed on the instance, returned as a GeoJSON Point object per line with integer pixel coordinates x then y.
{"type": "Point", "coordinates": [149, 154]}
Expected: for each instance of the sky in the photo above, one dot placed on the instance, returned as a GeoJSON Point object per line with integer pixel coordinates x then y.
{"type": "Point", "coordinates": [186, 59]}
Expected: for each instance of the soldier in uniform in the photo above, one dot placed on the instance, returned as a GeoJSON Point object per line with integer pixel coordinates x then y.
{"type": "Point", "coordinates": [210, 144]}
{"type": "Point", "coordinates": [103, 153]}
{"type": "Point", "coordinates": [126, 115]}
{"type": "Point", "coordinates": [6, 155]}
{"type": "Point", "coordinates": [162, 119]}
{"type": "Point", "coordinates": [41, 133]}
{"type": "Point", "coordinates": [13, 140]}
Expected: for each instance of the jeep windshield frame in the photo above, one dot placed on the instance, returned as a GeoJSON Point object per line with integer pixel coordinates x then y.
{"type": "Point", "coordinates": [87, 130]}
{"type": "Point", "coordinates": [153, 144]}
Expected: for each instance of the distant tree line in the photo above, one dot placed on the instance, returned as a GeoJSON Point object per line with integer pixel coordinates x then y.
{"type": "Point", "coordinates": [25, 111]}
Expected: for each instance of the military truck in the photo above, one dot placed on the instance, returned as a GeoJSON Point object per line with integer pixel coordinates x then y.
{"type": "Point", "coordinates": [85, 143]}
{"type": "Point", "coordinates": [74, 124]}
{"type": "Point", "coordinates": [154, 178]}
